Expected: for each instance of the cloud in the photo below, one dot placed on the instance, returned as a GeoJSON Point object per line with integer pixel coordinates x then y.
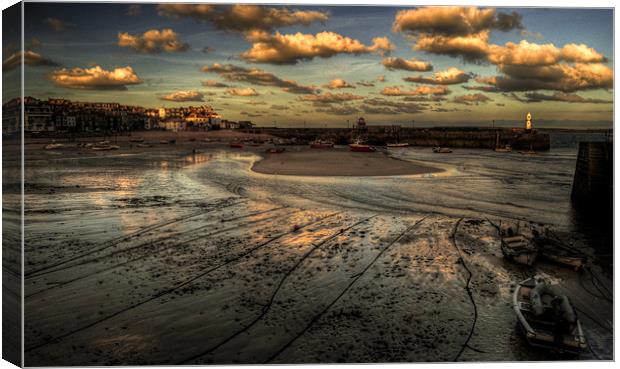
{"type": "Point", "coordinates": [453, 21]}
{"type": "Point", "coordinates": [366, 83]}
{"type": "Point", "coordinates": [257, 76]}
{"type": "Point", "coordinates": [534, 97]}
{"type": "Point", "coordinates": [292, 48]}
{"type": "Point", "coordinates": [95, 78]}
{"type": "Point", "coordinates": [33, 43]}
{"type": "Point", "coordinates": [338, 83]}
{"type": "Point", "coordinates": [30, 58]}
{"type": "Point", "coordinates": [330, 98]}
{"type": "Point", "coordinates": [181, 96]}
{"type": "Point", "coordinates": [384, 106]}
{"type": "Point", "coordinates": [472, 48]}
{"type": "Point", "coordinates": [450, 76]}
{"type": "Point", "coordinates": [133, 10]}
{"type": "Point", "coordinates": [421, 90]}
{"type": "Point", "coordinates": [410, 65]}
{"type": "Point", "coordinates": [581, 53]}
{"type": "Point", "coordinates": [471, 99]}
{"type": "Point", "coordinates": [246, 91]}
{"type": "Point", "coordinates": [215, 84]}
{"type": "Point", "coordinates": [153, 41]}
{"type": "Point", "coordinates": [242, 18]}
{"type": "Point", "coordinates": [59, 26]}
{"type": "Point", "coordinates": [338, 110]}
{"type": "Point", "coordinates": [424, 98]}
{"type": "Point", "coordinates": [558, 77]}
{"type": "Point", "coordinates": [279, 107]}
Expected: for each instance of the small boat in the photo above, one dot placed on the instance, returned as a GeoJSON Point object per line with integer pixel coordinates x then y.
{"type": "Point", "coordinates": [441, 150]}
{"type": "Point", "coordinates": [53, 146]}
{"type": "Point", "coordinates": [552, 250]}
{"type": "Point", "coordinates": [360, 147]}
{"type": "Point", "coordinates": [105, 147]}
{"type": "Point", "coordinates": [519, 249]}
{"type": "Point", "coordinates": [401, 144]}
{"type": "Point", "coordinates": [547, 318]}
{"type": "Point", "coordinates": [103, 143]}
{"type": "Point", "coordinates": [236, 145]}
{"type": "Point", "coordinates": [138, 140]}
{"type": "Point", "coordinates": [144, 145]}
{"type": "Point", "coordinates": [527, 152]}
{"type": "Point", "coordinates": [275, 150]}
{"type": "Point", "coordinates": [192, 139]}
{"type": "Point", "coordinates": [318, 144]}
{"type": "Point", "coordinates": [164, 142]}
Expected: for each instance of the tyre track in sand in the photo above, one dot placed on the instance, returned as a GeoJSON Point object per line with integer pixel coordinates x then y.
{"type": "Point", "coordinates": [115, 241]}
{"type": "Point", "coordinates": [182, 243]}
{"type": "Point", "coordinates": [179, 285]}
{"type": "Point", "coordinates": [265, 309]}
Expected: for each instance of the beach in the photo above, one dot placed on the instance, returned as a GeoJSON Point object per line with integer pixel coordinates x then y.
{"type": "Point", "coordinates": [189, 254]}
{"type": "Point", "coordinates": [338, 162]}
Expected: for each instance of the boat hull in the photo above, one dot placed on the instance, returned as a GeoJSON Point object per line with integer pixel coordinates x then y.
{"type": "Point", "coordinates": [361, 148]}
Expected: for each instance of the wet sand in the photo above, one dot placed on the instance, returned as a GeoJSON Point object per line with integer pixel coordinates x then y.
{"type": "Point", "coordinates": [158, 259]}
{"type": "Point", "coordinates": [338, 162]}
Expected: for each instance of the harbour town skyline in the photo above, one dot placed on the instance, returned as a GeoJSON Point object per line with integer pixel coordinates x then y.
{"type": "Point", "coordinates": [324, 65]}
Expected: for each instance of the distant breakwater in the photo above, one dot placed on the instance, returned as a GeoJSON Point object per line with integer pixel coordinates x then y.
{"type": "Point", "coordinates": [450, 137]}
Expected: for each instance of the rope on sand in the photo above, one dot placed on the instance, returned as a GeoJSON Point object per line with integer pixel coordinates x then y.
{"type": "Point", "coordinates": [467, 288]}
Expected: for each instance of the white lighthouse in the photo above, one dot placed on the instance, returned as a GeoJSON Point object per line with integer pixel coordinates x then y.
{"type": "Point", "coordinates": [528, 122]}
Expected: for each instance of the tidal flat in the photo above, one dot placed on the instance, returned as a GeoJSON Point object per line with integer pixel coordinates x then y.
{"type": "Point", "coordinates": [182, 254]}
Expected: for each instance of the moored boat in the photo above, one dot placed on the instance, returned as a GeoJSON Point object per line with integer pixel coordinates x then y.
{"type": "Point", "coordinates": [275, 150]}
{"type": "Point", "coordinates": [144, 145]}
{"type": "Point", "coordinates": [318, 144]}
{"type": "Point", "coordinates": [441, 150]}
{"type": "Point", "coordinates": [359, 147]}
{"type": "Point", "coordinates": [519, 249]}
{"type": "Point", "coordinates": [547, 318]}
{"type": "Point", "coordinates": [506, 148]}
{"type": "Point", "coordinates": [53, 146]}
{"type": "Point", "coordinates": [401, 144]}
{"type": "Point", "coordinates": [236, 145]}
{"type": "Point", "coordinates": [137, 140]}
{"type": "Point", "coordinates": [105, 147]}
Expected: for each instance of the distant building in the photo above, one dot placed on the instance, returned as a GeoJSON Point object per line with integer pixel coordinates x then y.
{"type": "Point", "coordinates": [174, 125]}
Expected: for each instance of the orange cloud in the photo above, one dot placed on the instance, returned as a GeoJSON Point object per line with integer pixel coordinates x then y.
{"type": "Point", "coordinates": [447, 20]}
{"type": "Point", "coordinates": [410, 65]}
{"type": "Point", "coordinates": [247, 91]}
{"type": "Point", "coordinates": [563, 97]}
{"type": "Point", "coordinates": [290, 49]}
{"type": "Point", "coordinates": [450, 76]}
{"type": "Point", "coordinates": [212, 83]}
{"type": "Point", "coordinates": [338, 83]}
{"type": "Point", "coordinates": [240, 17]}
{"type": "Point", "coordinates": [422, 90]}
{"type": "Point", "coordinates": [181, 96]}
{"type": "Point", "coordinates": [472, 47]}
{"type": "Point", "coordinates": [153, 41]}
{"type": "Point", "coordinates": [95, 78]}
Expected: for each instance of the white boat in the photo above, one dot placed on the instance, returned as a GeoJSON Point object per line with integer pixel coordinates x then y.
{"type": "Point", "coordinates": [441, 150]}
{"type": "Point", "coordinates": [53, 146]}
{"type": "Point", "coordinates": [547, 318]}
{"type": "Point", "coordinates": [105, 147]}
{"type": "Point", "coordinates": [401, 144]}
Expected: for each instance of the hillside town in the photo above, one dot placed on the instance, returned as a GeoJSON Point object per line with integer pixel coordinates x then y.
{"type": "Point", "coordinates": [65, 116]}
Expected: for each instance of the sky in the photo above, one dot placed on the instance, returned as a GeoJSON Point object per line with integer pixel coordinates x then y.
{"type": "Point", "coordinates": [325, 65]}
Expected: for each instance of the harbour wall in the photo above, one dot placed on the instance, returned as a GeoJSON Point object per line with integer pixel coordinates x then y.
{"type": "Point", "coordinates": [593, 180]}
{"type": "Point", "coordinates": [449, 137]}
